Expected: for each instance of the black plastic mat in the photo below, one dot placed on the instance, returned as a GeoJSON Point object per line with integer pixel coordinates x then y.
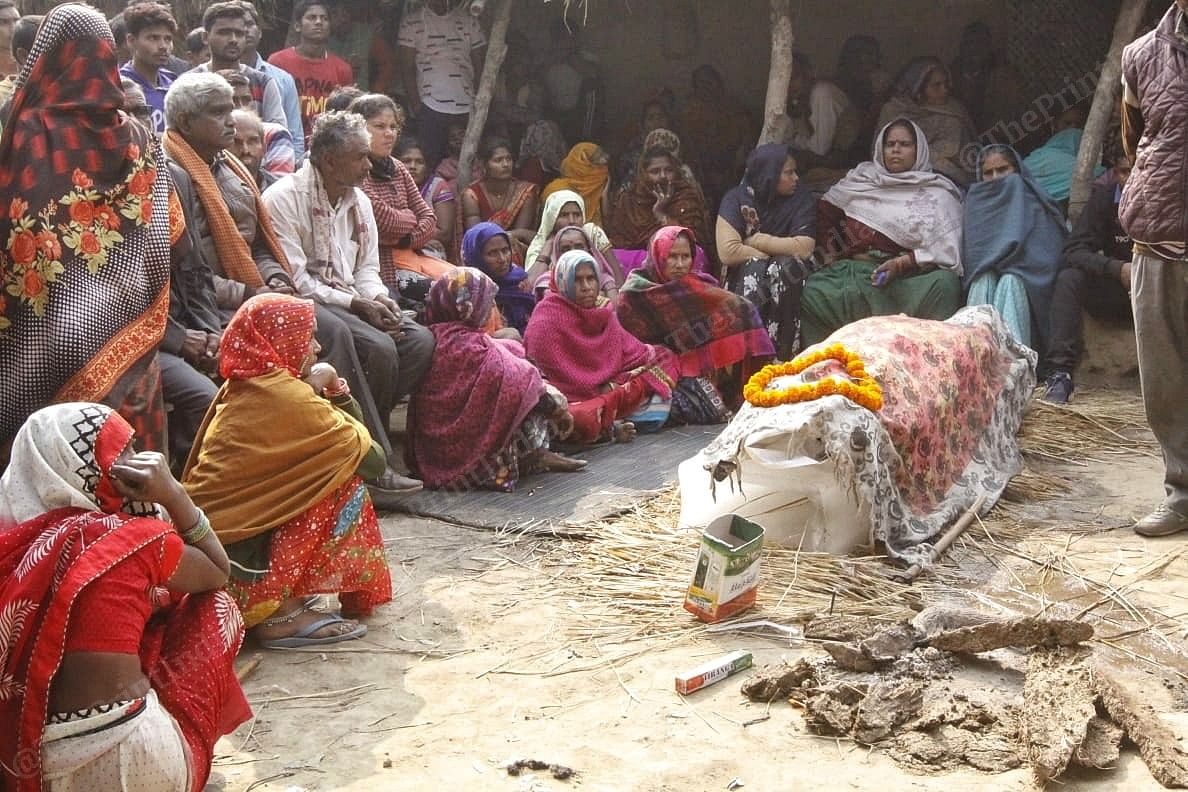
{"type": "Point", "coordinates": [618, 477]}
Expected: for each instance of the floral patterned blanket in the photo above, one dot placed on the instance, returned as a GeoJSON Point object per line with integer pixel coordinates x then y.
{"type": "Point", "coordinates": [954, 394]}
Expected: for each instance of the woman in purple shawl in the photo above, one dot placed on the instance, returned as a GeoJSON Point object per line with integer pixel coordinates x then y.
{"type": "Point", "coordinates": [483, 416]}
{"type": "Point", "coordinates": [487, 248]}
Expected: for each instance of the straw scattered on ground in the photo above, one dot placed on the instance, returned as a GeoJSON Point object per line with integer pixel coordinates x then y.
{"type": "Point", "coordinates": [1097, 426]}
{"type": "Point", "coordinates": [626, 584]}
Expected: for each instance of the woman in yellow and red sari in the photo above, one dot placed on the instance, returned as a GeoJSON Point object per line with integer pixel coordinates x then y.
{"type": "Point", "coordinates": [87, 217]}
{"type": "Point", "coordinates": [290, 506]}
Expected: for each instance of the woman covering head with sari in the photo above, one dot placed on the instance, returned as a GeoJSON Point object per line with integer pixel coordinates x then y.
{"type": "Point", "coordinates": [86, 222]}
{"type": "Point", "coordinates": [483, 416]}
{"type": "Point", "coordinates": [660, 196]}
{"type": "Point", "coordinates": [574, 238]}
{"type": "Point", "coordinates": [1013, 243]}
{"type": "Point", "coordinates": [290, 506]}
{"type": "Point", "coordinates": [563, 209]}
{"type": "Point", "coordinates": [890, 231]}
{"type": "Point", "coordinates": [709, 328]}
{"type": "Point", "coordinates": [923, 95]}
{"type": "Point", "coordinates": [117, 648]}
{"type": "Point", "coordinates": [541, 151]}
{"type": "Point", "coordinates": [585, 171]}
{"type": "Point", "coordinates": [767, 228]}
{"type": "Point", "coordinates": [488, 248]}
{"type": "Point", "coordinates": [615, 383]}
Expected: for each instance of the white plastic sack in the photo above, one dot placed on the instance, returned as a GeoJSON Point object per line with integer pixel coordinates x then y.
{"type": "Point", "coordinates": [797, 499]}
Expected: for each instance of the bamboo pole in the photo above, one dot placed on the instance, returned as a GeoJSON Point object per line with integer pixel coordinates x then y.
{"type": "Point", "coordinates": [947, 539]}
{"type": "Point", "coordinates": [779, 74]}
{"type": "Point", "coordinates": [1105, 98]}
{"type": "Point", "coordinates": [496, 50]}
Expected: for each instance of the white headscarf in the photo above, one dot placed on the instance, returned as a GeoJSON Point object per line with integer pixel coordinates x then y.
{"type": "Point", "coordinates": [54, 464]}
{"type": "Point", "coordinates": [917, 209]}
{"type": "Point", "coordinates": [548, 221]}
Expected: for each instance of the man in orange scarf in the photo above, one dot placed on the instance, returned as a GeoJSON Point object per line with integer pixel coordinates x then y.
{"type": "Point", "coordinates": [233, 252]}
{"type": "Point", "coordinates": [237, 254]}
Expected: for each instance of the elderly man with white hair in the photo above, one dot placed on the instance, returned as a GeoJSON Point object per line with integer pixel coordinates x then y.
{"type": "Point", "coordinates": [328, 232]}
{"type": "Point", "coordinates": [225, 217]}
{"type": "Point", "coordinates": [234, 254]}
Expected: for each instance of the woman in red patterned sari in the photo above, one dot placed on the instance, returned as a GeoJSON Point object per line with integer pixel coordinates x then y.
{"type": "Point", "coordinates": [117, 649]}
{"type": "Point", "coordinates": [85, 233]}
{"type": "Point", "coordinates": [289, 505]}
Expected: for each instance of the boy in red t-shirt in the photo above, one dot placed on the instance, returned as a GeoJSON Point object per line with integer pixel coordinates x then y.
{"type": "Point", "coordinates": [315, 69]}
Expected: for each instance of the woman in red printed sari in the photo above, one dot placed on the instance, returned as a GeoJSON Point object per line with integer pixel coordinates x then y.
{"type": "Point", "coordinates": [86, 222]}
{"type": "Point", "coordinates": [290, 506]}
{"type": "Point", "coordinates": [117, 649]}
{"type": "Point", "coordinates": [497, 197]}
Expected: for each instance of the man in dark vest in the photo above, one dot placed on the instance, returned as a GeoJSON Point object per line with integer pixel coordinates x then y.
{"type": "Point", "coordinates": [1154, 212]}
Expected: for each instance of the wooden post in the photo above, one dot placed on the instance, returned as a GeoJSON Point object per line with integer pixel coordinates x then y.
{"type": "Point", "coordinates": [780, 73]}
{"type": "Point", "coordinates": [496, 50]}
{"type": "Point", "coordinates": [1105, 98]}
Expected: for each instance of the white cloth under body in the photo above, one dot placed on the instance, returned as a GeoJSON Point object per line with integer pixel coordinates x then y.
{"type": "Point", "coordinates": [144, 753]}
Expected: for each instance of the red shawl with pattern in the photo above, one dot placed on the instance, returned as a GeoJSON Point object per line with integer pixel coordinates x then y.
{"type": "Point", "coordinates": [478, 390]}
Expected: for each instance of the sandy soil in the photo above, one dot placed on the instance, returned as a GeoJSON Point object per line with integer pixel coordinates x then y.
{"type": "Point", "coordinates": [454, 679]}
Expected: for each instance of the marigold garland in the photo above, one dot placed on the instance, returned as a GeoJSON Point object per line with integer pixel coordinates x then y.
{"type": "Point", "coordinates": [865, 390]}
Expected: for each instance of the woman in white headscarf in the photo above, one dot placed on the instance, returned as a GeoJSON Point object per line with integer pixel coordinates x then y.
{"type": "Point", "coordinates": [564, 209]}
{"type": "Point", "coordinates": [890, 234]}
{"type": "Point", "coordinates": [117, 643]}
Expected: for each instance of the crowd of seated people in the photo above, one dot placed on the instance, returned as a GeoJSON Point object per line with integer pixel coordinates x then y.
{"type": "Point", "coordinates": [251, 289]}
{"type": "Point", "coordinates": [365, 223]}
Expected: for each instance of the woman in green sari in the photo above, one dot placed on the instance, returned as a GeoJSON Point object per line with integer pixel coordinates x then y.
{"type": "Point", "coordinates": [890, 232]}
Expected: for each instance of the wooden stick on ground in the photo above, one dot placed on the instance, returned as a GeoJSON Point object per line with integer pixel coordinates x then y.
{"type": "Point", "coordinates": [949, 537]}
{"type": "Point", "coordinates": [249, 668]}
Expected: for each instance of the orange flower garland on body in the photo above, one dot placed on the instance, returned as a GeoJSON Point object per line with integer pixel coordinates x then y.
{"type": "Point", "coordinates": [865, 390]}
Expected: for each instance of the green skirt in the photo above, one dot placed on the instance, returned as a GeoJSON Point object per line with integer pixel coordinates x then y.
{"type": "Point", "coordinates": [842, 293]}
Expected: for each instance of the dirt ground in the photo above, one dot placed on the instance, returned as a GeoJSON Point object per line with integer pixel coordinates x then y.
{"type": "Point", "coordinates": [473, 665]}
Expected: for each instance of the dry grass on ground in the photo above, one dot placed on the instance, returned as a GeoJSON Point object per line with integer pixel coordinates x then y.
{"type": "Point", "coordinates": [624, 586]}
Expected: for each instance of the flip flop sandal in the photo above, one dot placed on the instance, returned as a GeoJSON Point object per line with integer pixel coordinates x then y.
{"type": "Point", "coordinates": [303, 638]}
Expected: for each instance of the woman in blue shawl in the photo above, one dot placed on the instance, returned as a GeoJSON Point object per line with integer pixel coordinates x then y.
{"type": "Point", "coordinates": [1014, 235]}
{"type": "Point", "coordinates": [1052, 164]}
{"type": "Point", "coordinates": [487, 248]}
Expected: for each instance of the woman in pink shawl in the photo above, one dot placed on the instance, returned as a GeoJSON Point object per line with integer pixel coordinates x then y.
{"type": "Point", "coordinates": [615, 383]}
{"type": "Point", "coordinates": [483, 416]}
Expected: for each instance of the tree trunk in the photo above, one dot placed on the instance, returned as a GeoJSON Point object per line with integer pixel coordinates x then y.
{"type": "Point", "coordinates": [496, 50]}
{"type": "Point", "coordinates": [780, 73]}
{"type": "Point", "coordinates": [1107, 96]}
